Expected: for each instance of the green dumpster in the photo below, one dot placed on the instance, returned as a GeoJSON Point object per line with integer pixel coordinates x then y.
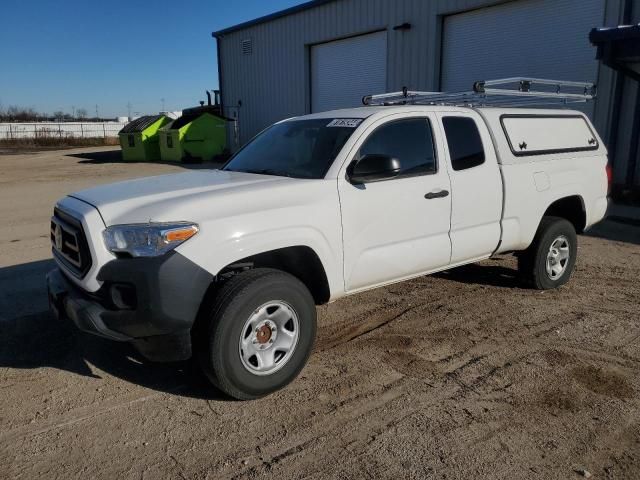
{"type": "Point", "coordinates": [199, 134]}
{"type": "Point", "coordinates": [170, 147]}
{"type": "Point", "coordinates": [139, 138]}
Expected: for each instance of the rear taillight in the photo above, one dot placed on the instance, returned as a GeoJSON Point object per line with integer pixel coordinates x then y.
{"type": "Point", "coordinates": [609, 177]}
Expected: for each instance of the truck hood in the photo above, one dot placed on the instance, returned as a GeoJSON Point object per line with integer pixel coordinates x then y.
{"type": "Point", "coordinates": [181, 195]}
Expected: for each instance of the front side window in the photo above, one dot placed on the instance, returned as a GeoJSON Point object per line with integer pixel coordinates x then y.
{"type": "Point", "coordinates": [297, 148]}
{"type": "Point", "coordinates": [465, 145]}
{"type": "Point", "coordinates": [410, 141]}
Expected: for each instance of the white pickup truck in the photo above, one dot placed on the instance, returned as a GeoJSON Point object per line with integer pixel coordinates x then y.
{"type": "Point", "coordinates": [231, 263]}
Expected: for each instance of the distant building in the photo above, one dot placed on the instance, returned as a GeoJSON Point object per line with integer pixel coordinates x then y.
{"type": "Point", "coordinates": [327, 54]}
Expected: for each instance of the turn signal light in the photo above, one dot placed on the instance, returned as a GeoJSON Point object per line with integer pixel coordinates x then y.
{"type": "Point", "coordinates": [180, 234]}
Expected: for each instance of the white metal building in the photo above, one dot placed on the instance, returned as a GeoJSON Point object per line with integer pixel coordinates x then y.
{"type": "Point", "coordinates": [327, 54]}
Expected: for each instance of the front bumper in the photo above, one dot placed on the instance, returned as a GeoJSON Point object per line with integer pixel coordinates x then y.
{"type": "Point", "coordinates": [163, 296]}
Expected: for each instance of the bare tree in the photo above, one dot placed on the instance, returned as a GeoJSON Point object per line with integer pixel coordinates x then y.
{"type": "Point", "coordinates": [30, 115]}
{"type": "Point", "coordinates": [12, 113]}
{"type": "Point", "coordinates": [59, 115]}
{"type": "Point", "coordinates": [20, 114]}
{"type": "Point", "coordinates": [81, 113]}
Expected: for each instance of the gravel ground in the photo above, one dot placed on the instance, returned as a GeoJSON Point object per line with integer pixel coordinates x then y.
{"type": "Point", "coordinates": [462, 374]}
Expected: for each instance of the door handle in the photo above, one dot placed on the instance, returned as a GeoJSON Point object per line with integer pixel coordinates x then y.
{"type": "Point", "coordinates": [440, 194]}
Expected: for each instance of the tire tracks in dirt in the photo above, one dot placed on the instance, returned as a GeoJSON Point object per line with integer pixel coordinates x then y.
{"type": "Point", "coordinates": [81, 414]}
{"type": "Point", "coordinates": [484, 363]}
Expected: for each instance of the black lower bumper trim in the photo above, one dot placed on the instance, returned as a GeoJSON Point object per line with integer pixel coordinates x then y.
{"type": "Point", "coordinates": [168, 292]}
{"type": "Point", "coordinates": [65, 301]}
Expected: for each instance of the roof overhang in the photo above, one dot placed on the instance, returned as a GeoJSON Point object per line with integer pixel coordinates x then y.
{"type": "Point", "coordinates": [619, 48]}
{"type": "Point", "coordinates": [272, 16]}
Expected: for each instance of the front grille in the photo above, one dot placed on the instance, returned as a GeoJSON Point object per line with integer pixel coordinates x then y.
{"type": "Point", "coordinates": [69, 244]}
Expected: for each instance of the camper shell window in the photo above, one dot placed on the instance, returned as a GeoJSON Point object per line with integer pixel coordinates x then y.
{"type": "Point", "coordinates": [548, 134]}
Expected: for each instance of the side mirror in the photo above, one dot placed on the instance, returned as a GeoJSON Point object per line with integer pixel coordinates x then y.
{"type": "Point", "coordinates": [374, 168]}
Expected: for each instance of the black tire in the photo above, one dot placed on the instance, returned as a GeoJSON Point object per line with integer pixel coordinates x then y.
{"type": "Point", "coordinates": [236, 301]}
{"type": "Point", "coordinates": [532, 263]}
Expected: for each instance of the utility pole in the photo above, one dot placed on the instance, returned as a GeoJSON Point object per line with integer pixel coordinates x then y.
{"type": "Point", "coordinates": [129, 109]}
{"type": "Point", "coordinates": [73, 110]}
{"type": "Point", "coordinates": [97, 116]}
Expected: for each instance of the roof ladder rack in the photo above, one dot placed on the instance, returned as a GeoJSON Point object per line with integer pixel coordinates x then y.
{"type": "Point", "coordinates": [505, 92]}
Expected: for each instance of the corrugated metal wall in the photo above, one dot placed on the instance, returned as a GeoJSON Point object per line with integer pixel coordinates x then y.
{"type": "Point", "coordinates": [273, 82]}
{"type": "Point", "coordinates": [626, 169]}
{"type": "Point", "coordinates": [470, 44]}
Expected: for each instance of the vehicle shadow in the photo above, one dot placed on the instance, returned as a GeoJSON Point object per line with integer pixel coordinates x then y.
{"type": "Point", "coordinates": [499, 276]}
{"type": "Point", "coordinates": [616, 230]}
{"type": "Point", "coordinates": [490, 275]}
{"type": "Point", "coordinates": [30, 338]}
{"type": "Point", "coordinates": [115, 156]}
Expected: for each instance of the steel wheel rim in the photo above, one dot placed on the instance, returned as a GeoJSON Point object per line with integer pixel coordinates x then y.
{"type": "Point", "coordinates": [558, 257]}
{"type": "Point", "coordinates": [269, 338]}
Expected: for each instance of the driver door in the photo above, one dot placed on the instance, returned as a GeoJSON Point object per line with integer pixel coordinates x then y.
{"type": "Point", "coordinates": [397, 228]}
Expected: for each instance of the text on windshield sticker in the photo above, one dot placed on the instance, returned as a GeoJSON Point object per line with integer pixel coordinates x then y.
{"type": "Point", "coordinates": [345, 122]}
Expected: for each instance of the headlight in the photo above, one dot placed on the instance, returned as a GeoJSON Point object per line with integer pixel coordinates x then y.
{"type": "Point", "coordinates": [148, 239]}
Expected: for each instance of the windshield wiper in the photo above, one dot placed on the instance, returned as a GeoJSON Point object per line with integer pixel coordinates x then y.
{"type": "Point", "coordinates": [270, 171]}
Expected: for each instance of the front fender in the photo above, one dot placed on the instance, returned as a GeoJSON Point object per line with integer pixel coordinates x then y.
{"type": "Point", "coordinates": [213, 252]}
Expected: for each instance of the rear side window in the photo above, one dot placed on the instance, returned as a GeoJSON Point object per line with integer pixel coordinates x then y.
{"type": "Point", "coordinates": [410, 141]}
{"type": "Point", "coordinates": [465, 144]}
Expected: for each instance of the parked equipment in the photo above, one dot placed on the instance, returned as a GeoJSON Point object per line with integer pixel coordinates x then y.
{"type": "Point", "coordinates": [139, 138]}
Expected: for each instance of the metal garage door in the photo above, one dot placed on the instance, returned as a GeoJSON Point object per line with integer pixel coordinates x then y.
{"type": "Point", "coordinates": [342, 72]}
{"type": "Point", "coordinates": [537, 38]}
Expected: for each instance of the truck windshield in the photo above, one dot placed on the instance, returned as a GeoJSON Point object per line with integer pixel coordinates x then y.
{"type": "Point", "coordinates": [297, 149]}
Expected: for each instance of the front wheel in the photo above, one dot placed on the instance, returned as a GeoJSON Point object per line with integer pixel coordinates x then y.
{"type": "Point", "coordinates": [260, 333]}
{"type": "Point", "coordinates": [550, 260]}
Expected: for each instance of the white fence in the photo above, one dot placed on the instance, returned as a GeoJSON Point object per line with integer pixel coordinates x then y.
{"type": "Point", "coordinates": [10, 131]}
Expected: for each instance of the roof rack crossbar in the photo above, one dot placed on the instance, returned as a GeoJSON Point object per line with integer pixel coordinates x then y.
{"type": "Point", "coordinates": [538, 81]}
{"type": "Point", "coordinates": [516, 92]}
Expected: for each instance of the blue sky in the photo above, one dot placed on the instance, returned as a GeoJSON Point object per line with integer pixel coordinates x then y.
{"type": "Point", "coordinates": [58, 54]}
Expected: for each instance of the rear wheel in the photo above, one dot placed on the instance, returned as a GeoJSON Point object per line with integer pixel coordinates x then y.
{"type": "Point", "coordinates": [550, 260]}
{"type": "Point", "coordinates": [260, 332]}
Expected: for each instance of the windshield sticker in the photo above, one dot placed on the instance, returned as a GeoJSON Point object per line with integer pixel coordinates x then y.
{"type": "Point", "coordinates": [345, 122]}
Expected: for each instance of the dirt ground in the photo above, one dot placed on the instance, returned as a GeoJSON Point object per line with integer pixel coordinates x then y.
{"type": "Point", "coordinates": [459, 375]}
